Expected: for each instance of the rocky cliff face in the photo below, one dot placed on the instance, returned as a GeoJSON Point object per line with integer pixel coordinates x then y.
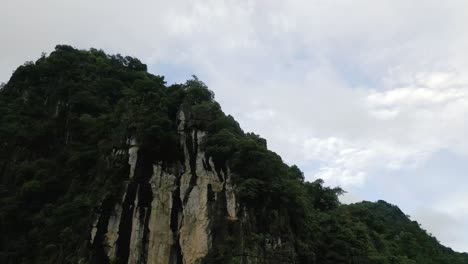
{"type": "Point", "coordinates": [167, 212]}
{"type": "Point", "coordinates": [93, 148]}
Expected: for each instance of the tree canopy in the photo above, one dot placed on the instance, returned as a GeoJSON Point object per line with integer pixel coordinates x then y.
{"type": "Point", "coordinates": [65, 120]}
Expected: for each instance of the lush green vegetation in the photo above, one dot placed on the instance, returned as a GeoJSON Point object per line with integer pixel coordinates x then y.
{"type": "Point", "coordinates": [64, 120]}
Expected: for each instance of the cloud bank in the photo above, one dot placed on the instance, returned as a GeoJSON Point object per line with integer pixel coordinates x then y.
{"type": "Point", "coordinates": [369, 95]}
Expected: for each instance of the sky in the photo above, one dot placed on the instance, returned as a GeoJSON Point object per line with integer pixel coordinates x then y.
{"type": "Point", "coordinates": [368, 95]}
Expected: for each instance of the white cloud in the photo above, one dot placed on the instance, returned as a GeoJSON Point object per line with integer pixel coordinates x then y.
{"type": "Point", "coordinates": [401, 128]}
{"type": "Point", "coordinates": [357, 88]}
{"type": "Point", "coordinates": [349, 164]}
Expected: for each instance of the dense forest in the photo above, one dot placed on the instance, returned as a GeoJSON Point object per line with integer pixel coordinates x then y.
{"type": "Point", "coordinates": [64, 120]}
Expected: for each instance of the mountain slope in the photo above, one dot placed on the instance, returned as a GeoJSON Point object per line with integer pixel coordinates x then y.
{"type": "Point", "coordinates": [102, 162]}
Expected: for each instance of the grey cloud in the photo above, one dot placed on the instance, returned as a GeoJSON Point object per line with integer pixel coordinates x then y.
{"type": "Point", "coordinates": [364, 73]}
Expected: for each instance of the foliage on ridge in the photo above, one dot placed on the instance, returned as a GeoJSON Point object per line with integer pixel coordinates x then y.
{"type": "Point", "coordinates": [65, 125]}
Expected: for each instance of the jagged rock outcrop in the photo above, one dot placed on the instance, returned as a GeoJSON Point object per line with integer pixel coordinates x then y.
{"type": "Point", "coordinates": [166, 213]}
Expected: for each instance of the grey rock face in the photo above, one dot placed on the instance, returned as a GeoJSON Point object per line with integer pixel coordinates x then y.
{"type": "Point", "coordinates": [165, 217]}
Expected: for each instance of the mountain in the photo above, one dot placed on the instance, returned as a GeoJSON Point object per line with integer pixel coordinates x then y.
{"type": "Point", "coordinates": [102, 162]}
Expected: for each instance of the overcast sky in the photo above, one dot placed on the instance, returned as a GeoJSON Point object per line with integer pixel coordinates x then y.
{"type": "Point", "coordinates": [369, 95]}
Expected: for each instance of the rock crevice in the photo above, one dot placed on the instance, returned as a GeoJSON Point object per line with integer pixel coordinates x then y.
{"type": "Point", "coordinates": [166, 213]}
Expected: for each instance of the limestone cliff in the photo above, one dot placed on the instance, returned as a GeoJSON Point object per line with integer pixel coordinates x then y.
{"type": "Point", "coordinates": [102, 162]}
{"type": "Point", "coordinates": [165, 215]}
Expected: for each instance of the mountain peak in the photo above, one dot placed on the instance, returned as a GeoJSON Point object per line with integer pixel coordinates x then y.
{"type": "Point", "coordinates": [103, 162]}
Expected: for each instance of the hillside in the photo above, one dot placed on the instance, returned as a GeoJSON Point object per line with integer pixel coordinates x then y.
{"type": "Point", "coordinates": [103, 162]}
